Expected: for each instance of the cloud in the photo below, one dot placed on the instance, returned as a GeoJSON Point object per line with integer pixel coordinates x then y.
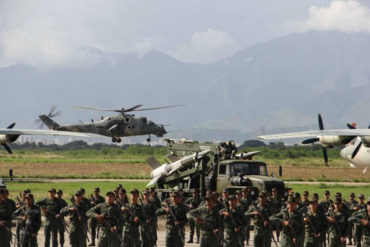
{"type": "Point", "coordinates": [341, 15]}
{"type": "Point", "coordinates": [48, 34]}
{"type": "Point", "coordinates": [206, 47]}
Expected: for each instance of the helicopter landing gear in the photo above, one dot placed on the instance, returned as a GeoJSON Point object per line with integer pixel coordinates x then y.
{"type": "Point", "coordinates": [118, 140]}
{"type": "Point", "coordinates": [148, 139]}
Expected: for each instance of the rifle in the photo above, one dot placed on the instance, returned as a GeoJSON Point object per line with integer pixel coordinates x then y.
{"type": "Point", "coordinates": [208, 225]}
{"type": "Point", "coordinates": [311, 223]}
{"type": "Point", "coordinates": [145, 216]}
{"type": "Point", "coordinates": [235, 225]}
{"type": "Point", "coordinates": [92, 199]}
{"type": "Point", "coordinates": [82, 219]}
{"type": "Point", "coordinates": [268, 226]}
{"type": "Point", "coordinates": [174, 218]}
{"type": "Point", "coordinates": [290, 225]}
{"type": "Point", "coordinates": [109, 226]}
{"type": "Point", "coordinates": [27, 214]}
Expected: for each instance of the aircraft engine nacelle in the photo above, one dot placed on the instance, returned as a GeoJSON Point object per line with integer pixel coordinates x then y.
{"type": "Point", "coordinates": [366, 141]}
{"type": "Point", "coordinates": [4, 139]}
{"type": "Point", "coordinates": [331, 141]}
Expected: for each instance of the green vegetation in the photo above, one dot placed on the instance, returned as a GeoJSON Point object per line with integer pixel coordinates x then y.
{"type": "Point", "coordinates": [79, 160]}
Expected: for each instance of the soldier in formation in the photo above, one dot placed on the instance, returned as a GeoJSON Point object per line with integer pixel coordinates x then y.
{"type": "Point", "coordinates": [193, 203]}
{"type": "Point", "coordinates": [148, 229]}
{"type": "Point", "coordinates": [175, 212]}
{"type": "Point", "coordinates": [60, 220]}
{"type": "Point", "coordinates": [209, 221]}
{"type": "Point", "coordinates": [29, 216]}
{"type": "Point", "coordinates": [78, 220]}
{"type": "Point", "coordinates": [51, 208]}
{"type": "Point", "coordinates": [133, 222]}
{"type": "Point", "coordinates": [108, 215]}
{"type": "Point", "coordinates": [95, 199]}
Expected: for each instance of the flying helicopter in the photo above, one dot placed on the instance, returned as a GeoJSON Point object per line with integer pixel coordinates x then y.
{"type": "Point", "coordinates": [117, 126]}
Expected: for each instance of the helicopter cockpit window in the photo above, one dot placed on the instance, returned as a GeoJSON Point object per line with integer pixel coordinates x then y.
{"type": "Point", "coordinates": [248, 169]}
{"type": "Point", "coordinates": [151, 122]}
{"type": "Point", "coordinates": [144, 120]}
{"type": "Point", "coordinates": [222, 169]}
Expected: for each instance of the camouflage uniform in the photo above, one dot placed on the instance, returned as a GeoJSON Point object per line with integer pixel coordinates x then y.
{"type": "Point", "coordinates": [12, 206]}
{"type": "Point", "coordinates": [120, 204]}
{"type": "Point", "coordinates": [92, 222]}
{"type": "Point", "coordinates": [51, 223]}
{"type": "Point", "coordinates": [362, 214]}
{"type": "Point", "coordinates": [131, 234]}
{"type": "Point", "coordinates": [316, 223]}
{"type": "Point", "coordinates": [112, 216]}
{"type": "Point", "coordinates": [276, 204]}
{"type": "Point", "coordinates": [19, 204]}
{"type": "Point", "coordinates": [351, 204]}
{"type": "Point", "coordinates": [232, 237]}
{"type": "Point", "coordinates": [175, 234]}
{"type": "Point", "coordinates": [337, 229]}
{"type": "Point", "coordinates": [262, 233]}
{"type": "Point", "coordinates": [78, 223]}
{"type": "Point", "coordinates": [357, 227]}
{"type": "Point", "coordinates": [194, 202]}
{"type": "Point", "coordinates": [148, 229]}
{"type": "Point", "coordinates": [30, 227]}
{"type": "Point", "coordinates": [210, 221]}
{"type": "Point", "coordinates": [61, 222]}
{"type": "Point", "coordinates": [5, 221]}
{"type": "Point", "coordinates": [293, 230]}
{"type": "Point", "coordinates": [155, 200]}
{"type": "Point", "coordinates": [324, 207]}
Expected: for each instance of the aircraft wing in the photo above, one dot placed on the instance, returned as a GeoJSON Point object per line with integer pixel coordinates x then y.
{"type": "Point", "coordinates": [338, 132]}
{"type": "Point", "coordinates": [43, 132]}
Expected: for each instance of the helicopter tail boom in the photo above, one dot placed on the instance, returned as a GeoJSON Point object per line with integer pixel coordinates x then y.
{"type": "Point", "coordinates": [49, 122]}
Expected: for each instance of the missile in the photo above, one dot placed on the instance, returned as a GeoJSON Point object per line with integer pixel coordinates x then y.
{"type": "Point", "coordinates": [169, 168]}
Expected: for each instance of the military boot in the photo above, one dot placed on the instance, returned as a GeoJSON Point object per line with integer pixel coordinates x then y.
{"type": "Point", "coordinates": [349, 241]}
{"type": "Point", "coordinates": [191, 238]}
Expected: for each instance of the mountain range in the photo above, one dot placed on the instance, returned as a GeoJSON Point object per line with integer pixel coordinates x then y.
{"type": "Point", "coordinates": [278, 85]}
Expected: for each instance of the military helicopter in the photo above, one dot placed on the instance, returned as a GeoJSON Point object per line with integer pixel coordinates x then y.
{"type": "Point", "coordinates": [121, 125]}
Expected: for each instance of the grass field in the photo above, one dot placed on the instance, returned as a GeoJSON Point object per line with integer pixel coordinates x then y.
{"type": "Point", "coordinates": [39, 189]}
{"type": "Point", "coordinates": [119, 164]}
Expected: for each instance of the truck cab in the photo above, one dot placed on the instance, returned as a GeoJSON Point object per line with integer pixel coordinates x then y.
{"type": "Point", "coordinates": [236, 174]}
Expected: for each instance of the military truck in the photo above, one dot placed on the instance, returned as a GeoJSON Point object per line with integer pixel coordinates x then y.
{"type": "Point", "coordinates": [222, 167]}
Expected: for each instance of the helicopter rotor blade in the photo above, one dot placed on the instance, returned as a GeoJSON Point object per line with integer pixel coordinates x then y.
{"type": "Point", "coordinates": [91, 108]}
{"type": "Point", "coordinates": [134, 108]}
{"type": "Point", "coordinates": [156, 108]}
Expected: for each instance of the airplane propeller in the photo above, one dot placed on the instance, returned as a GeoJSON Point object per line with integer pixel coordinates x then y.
{"type": "Point", "coordinates": [313, 140]}
{"type": "Point", "coordinates": [123, 110]}
{"type": "Point", "coordinates": [325, 152]}
{"type": "Point", "coordinates": [6, 146]}
{"type": "Point", "coordinates": [52, 113]}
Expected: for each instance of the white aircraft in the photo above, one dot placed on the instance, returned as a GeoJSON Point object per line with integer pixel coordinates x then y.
{"type": "Point", "coordinates": [10, 135]}
{"type": "Point", "coordinates": [357, 141]}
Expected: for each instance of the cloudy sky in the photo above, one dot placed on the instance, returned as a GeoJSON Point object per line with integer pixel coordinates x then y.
{"type": "Point", "coordinates": [71, 33]}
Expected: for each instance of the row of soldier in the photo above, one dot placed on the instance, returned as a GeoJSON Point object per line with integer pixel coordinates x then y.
{"type": "Point", "coordinates": [216, 221]}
